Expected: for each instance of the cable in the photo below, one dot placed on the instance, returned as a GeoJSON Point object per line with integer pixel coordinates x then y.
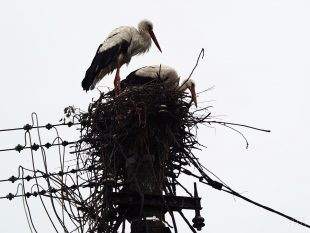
{"type": "Point", "coordinates": [219, 186]}
{"type": "Point", "coordinates": [48, 126]}
{"type": "Point", "coordinates": [35, 146]}
{"type": "Point", "coordinates": [267, 208]}
{"type": "Point", "coordinates": [45, 192]}
{"type": "Point", "coordinates": [13, 178]}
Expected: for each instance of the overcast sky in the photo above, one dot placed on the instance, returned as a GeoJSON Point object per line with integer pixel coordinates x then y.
{"type": "Point", "coordinates": [257, 57]}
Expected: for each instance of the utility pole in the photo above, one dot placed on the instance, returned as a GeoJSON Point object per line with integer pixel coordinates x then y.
{"type": "Point", "coordinates": [148, 182]}
{"type": "Point", "coordinates": [144, 199]}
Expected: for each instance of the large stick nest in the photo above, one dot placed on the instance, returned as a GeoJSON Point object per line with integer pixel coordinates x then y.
{"type": "Point", "coordinates": [145, 123]}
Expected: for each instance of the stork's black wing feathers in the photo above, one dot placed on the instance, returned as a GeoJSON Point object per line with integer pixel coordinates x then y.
{"type": "Point", "coordinates": [135, 80]}
{"type": "Point", "coordinates": [102, 60]}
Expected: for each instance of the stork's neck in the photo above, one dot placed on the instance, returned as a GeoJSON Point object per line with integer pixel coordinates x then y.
{"type": "Point", "coordinates": [140, 42]}
{"type": "Point", "coordinates": [145, 40]}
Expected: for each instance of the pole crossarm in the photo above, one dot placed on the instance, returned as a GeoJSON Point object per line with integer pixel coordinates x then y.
{"type": "Point", "coordinates": [164, 202]}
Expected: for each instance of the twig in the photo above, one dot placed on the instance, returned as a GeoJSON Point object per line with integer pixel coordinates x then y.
{"type": "Point", "coordinates": [201, 54]}
{"type": "Point", "coordinates": [237, 124]}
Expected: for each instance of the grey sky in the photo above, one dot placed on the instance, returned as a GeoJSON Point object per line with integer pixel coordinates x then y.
{"type": "Point", "coordinates": [257, 56]}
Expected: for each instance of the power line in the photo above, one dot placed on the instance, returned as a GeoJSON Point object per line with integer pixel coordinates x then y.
{"type": "Point", "coordinates": [236, 194]}
{"type": "Point", "coordinates": [45, 175]}
{"type": "Point", "coordinates": [51, 190]}
{"type": "Point", "coordinates": [48, 126]}
{"type": "Point", "coordinates": [219, 186]}
{"type": "Point", "coordinates": [35, 146]}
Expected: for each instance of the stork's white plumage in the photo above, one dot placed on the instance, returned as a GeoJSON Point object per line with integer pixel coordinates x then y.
{"type": "Point", "coordinates": [167, 74]}
{"type": "Point", "coordinates": [117, 49]}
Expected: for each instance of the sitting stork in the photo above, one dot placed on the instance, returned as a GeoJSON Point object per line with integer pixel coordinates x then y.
{"type": "Point", "coordinates": [167, 74]}
{"type": "Point", "coordinates": [122, 44]}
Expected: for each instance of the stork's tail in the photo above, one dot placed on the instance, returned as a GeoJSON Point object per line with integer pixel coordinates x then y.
{"type": "Point", "coordinates": [89, 78]}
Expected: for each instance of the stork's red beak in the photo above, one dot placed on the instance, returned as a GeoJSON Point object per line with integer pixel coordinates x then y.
{"type": "Point", "coordinates": [154, 39]}
{"type": "Point", "coordinates": [193, 93]}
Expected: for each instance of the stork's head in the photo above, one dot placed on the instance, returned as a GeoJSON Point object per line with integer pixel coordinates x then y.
{"type": "Point", "coordinates": [146, 26]}
{"type": "Point", "coordinates": [190, 84]}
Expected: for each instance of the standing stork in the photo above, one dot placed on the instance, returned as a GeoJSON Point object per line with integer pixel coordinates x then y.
{"type": "Point", "coordinates": [167, 74]}
{"type": "Point", "coordinates": [117, 49]}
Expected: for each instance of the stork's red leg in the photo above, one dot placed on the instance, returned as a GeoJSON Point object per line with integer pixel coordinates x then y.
{"type": "Point", "coordinates": [117, 81]}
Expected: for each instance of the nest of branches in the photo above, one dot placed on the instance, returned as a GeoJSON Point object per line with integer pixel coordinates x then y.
{"type": "Point", "coordinates": [147, 128]}
{"type": "Point", "coordinates": [137, 142]}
